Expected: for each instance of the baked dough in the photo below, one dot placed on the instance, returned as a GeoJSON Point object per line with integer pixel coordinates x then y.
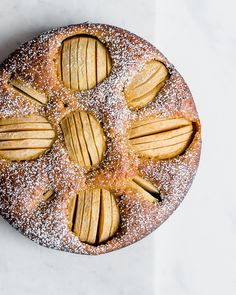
{"type": "Point", "coordinates": [99, 138]}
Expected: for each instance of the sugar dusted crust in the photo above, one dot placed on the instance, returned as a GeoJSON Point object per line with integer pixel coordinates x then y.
{"type": "Point", "coordinates": [22, 184]}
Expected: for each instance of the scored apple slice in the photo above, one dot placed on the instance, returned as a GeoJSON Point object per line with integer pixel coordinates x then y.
{"type": "Point", "coordinates": [77, 152]}
{"type": "Point", "coordinates": [25, 138]}
{"type": "Point", "coordinates": [94, 217]}
{"type": "Point", "coordinates": [65, 63]}
{"type": "Point", "coordinates": [98, 136]}
{"type": "Point", "coordinates": [68, 138]}
{"type": "Point", "coordinates": [93, 229]}
{"type": "Point", "coordinates": [161, 138]}
{"type": "Point", "coordinates": [145, 184]}
{"type": "Point", "coordinates": [84, 138]}
{"type": "Point", "coordinates": [109, 219]}
{"type": "Point", "coordinates": [83, 62]}
{"type": "Point", "coordinates": [156, 125]}
{"type": "Point", "coordinates": [91, 63]}
{"type": "Point", "coordinates": [88, 135]}
{"type": "Point", "coordinates": [20, 120]}
{"type": "Point", "coordinates": [146, 84]}
{"type": "Point", "coordinates": [47, 195]}
{"type": "Point", "coordinates": [27, 91]}
{"type": "Point", "coordinates": [105, 216]}
{"type": "Point", "coordinates": [81, 138]}
{"type": "Point", "coordinates": [145, 188]}
{"type": "Point", "coordinates": [73, 66]}
{"type": "Point", "coordinates": [78, 213]}
{"type": "Point", "coordinates": [86, 216]}
{"type": "Point", "coordinates": [72, 210]}
{"type": "Point", "coordinates": [115, 214]}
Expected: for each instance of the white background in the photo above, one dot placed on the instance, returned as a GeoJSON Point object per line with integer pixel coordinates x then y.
{"type": "Point", "coordinates": [194, 252]}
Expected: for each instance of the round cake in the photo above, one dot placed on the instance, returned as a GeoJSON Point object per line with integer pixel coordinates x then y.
{"type": "Point", "coordinates": [99, 138]}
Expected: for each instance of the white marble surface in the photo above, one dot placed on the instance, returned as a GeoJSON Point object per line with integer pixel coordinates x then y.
{"type": "Point", "coordinates": [194, 252]}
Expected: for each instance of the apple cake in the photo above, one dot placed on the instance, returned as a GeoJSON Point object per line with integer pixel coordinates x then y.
{"type": "Point", "coordinates": [99, 138]}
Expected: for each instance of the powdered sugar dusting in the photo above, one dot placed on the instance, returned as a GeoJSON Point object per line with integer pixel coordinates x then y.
{"type": "Point", "coordinates": [24, 183]}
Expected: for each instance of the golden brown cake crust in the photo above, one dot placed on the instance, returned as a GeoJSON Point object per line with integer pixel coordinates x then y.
{"type": "Point", "coordinates": [23, 183]}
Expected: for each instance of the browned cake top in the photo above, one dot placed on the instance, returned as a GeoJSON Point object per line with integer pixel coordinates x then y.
{"type": "Point", "coordinates": [99, 138]}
